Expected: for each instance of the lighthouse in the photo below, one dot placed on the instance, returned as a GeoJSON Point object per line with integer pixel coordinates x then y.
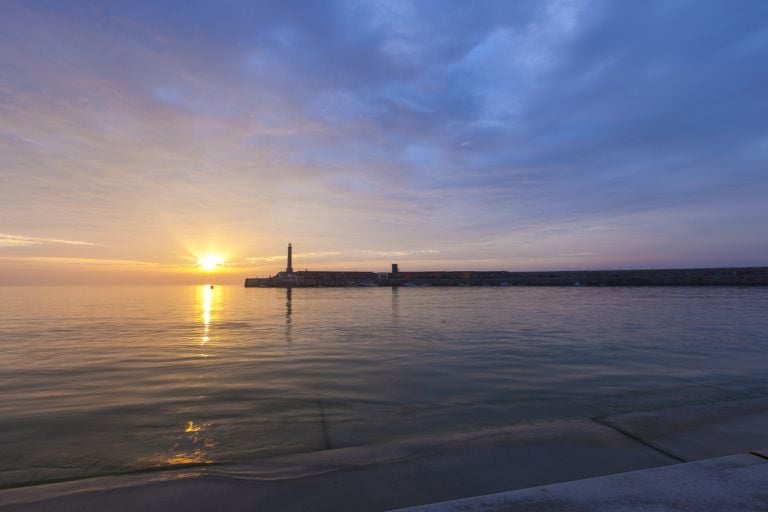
{"type": "Point", "coordinates": [289, 268]}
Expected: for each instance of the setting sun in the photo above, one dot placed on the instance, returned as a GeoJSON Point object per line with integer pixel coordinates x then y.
{"type": "Point", "coordinates": [210, 262]}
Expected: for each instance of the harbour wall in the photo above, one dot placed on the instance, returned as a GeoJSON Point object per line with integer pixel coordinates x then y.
{"type": "Point", "coordinates": [741, 276]}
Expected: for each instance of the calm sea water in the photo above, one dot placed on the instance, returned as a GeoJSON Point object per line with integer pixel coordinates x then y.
{"type": "Point", "coordinates": [105, 380]}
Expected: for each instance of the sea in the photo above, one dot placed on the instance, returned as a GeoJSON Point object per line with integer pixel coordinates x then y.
{"type": "Point", "coordinates": [113, 380]}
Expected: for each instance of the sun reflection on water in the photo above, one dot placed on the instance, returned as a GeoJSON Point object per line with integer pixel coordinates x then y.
{"type": "Point", "coordinates": [207, 300]}
{"type": "Point", "coordinates": [193, 427]}
{"type": "Point", "coordinates": [180, 459]}
{"type": "Point", "coordinates": [193, 446]}
{"type": "Point", "coordinates": [195, 443]}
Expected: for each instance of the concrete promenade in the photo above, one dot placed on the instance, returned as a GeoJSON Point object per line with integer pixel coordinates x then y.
{"type": "Point", "coordinates": [653, 451]}
{"type": "Point", "coordinates": [732, 483]}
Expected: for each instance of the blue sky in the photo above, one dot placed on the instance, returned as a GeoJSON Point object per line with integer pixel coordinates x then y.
{"type": "Point", "coordinates": [136, 136]}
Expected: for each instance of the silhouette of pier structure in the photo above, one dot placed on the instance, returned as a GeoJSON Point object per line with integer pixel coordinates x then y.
{"type": "Point", "coordinates": [727, 276]}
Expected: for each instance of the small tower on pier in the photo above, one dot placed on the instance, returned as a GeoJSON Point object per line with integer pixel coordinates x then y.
{"type": "Point", "coordinates": [289, 268]}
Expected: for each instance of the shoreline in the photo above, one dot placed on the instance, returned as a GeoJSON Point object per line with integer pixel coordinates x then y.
{"type": "Point", "coordinates": [428, 469]}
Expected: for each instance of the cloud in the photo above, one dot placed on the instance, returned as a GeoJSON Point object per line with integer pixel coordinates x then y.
{"type": "Point", "coordinates": [9, 240]}
{"type": "Point", "coordinates": [418, 252]}
{"type": "Point", "coordinates": [570, 255]}
{"type": "Point", "coordinates": [77, 261]}
{"type": "Point", "coordinates": [398, 124]}
{"type": "Point", "coordinates": [299, 255]}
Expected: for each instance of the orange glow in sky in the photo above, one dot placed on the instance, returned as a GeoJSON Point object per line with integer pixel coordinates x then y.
{"type": "Point", "coordinates": [196, 143]}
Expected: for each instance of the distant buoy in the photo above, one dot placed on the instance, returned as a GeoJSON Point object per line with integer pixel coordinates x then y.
{"type": "Point", "coordinates": [211, 287]}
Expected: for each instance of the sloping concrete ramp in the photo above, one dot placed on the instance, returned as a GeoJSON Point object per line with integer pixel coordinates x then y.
{"type": "Point", "coordinates": [737, 483]}
{"type": "Point", "coordinates": [376, 477]}
{"type": "Point", "coordinates": [664, 443]}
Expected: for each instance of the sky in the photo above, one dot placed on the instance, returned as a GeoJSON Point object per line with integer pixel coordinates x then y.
{"type": "Point", "coordinates": [139, 136]}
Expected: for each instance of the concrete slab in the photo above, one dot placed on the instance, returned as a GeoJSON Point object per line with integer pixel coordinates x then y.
{"type": "Point", "coordinates": [737, 482]}
{"type": "Point", "coordinates": [700, 431]}
{"type": "Point", "coordinates": [364, 478]}
{"type": "Point", "coordinates": [451, 467]}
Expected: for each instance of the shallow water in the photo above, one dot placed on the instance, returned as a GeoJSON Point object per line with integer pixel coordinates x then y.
{"type": "Point", "coordinates": [99, 380]}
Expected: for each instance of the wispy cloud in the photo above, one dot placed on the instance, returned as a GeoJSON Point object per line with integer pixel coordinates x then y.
{"type": "Point", "coordinates": [298, 255]}
{"type": "Point", "coordinates": [384, 254]}
{"type": "Point", "coordinates": [9, 240]}
{"type": "Point", "coordinates": [574, 254]}
{"type": "Point", "coordinates": [77, 261]}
